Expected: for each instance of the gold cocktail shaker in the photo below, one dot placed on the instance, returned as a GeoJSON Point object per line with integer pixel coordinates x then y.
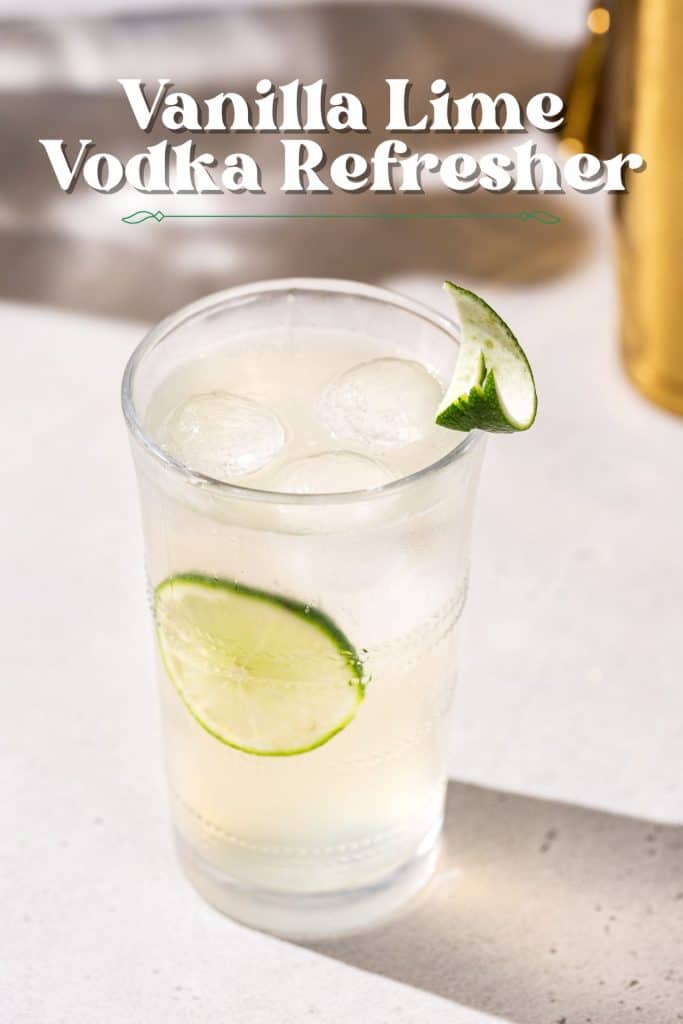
{"type": "Point", "coordinates": [628, 97]}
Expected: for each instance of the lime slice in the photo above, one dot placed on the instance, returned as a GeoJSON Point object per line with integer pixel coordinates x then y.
{"type": "Point", "coordinates": [261, 673]}
{"type": "Point", "coordinates": [493, 386]}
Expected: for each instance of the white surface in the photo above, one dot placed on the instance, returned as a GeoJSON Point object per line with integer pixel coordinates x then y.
{"type": "Point", "coordinates": [97, 924]}
{"type": "Point", "coordinates": [570, 686]}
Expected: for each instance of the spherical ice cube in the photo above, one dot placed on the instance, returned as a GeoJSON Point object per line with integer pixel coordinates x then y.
{"type": "Point", "coordinates": [222, 435]}
{"type": "Point", "coordinates": [382, 404]}
{"type": "Point", "coordinates": [331, 473]}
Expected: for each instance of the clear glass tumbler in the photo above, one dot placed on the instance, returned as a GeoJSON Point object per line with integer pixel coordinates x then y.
{"type": "Point", "coordinates": [333, 838]}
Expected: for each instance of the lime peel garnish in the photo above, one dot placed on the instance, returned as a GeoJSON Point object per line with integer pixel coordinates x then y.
{"type": "Point", "coordinates": [262, 673]}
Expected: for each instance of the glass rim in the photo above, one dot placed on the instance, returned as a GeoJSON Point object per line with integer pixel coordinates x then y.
{"type": "Point", "coordinates": [241, 294]}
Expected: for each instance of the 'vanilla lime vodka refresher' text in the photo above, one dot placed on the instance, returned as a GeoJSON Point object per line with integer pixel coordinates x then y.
{"type": "Point", "coordinates": [307, 531]}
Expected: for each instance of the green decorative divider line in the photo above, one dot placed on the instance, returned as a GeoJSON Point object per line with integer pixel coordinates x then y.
{"type": "Point", "coordinates": [540, 216]}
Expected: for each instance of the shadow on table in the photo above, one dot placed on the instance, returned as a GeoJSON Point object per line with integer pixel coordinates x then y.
{"type": "Point", "coordinates": [73, 251]}
{"type": "Point", "coordinates": [541, 913]}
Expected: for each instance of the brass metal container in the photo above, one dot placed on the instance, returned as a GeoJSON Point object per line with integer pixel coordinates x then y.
{"type": "Point", "coordinates": [645, 82]}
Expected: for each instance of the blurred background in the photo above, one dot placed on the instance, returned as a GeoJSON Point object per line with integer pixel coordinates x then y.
{"type": "Point", "coordinates": [58, 69]}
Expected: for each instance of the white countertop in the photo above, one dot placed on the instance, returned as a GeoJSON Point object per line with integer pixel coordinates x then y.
{"type": "Point", "coordinates": [542, 911]}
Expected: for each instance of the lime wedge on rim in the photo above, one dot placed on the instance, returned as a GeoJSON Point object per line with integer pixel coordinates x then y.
{"type": "Point", "coordinates": [493, 386]}
{"type": "Point", "coordinates": [261, 673]}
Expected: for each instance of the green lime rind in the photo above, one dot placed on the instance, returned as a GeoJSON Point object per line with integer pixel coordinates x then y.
{"type": "Point", "coordinates": [493, 386]}
{"type": "Point", "coordinates": [297, 663]}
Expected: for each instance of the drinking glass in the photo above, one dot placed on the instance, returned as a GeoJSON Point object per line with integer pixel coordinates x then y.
{"type": "Point", "coordinates": [333, 838]}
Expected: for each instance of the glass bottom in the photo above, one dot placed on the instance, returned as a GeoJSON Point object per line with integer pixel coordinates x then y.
{"type": "Point", "coordinates": [311, 915]}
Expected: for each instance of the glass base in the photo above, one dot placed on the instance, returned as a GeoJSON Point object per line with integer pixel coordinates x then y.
{"type": "Point", "coordinates": [311, 915]}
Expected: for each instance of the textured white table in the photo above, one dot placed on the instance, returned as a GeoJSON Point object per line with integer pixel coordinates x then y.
{"type": "Point", "coordinates": [542, 911]}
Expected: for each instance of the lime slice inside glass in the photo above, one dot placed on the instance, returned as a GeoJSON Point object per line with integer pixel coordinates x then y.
{"type": "Point", "coordinates": [493, 387]}
{"type": "Point", "coordinates": [261, 673]}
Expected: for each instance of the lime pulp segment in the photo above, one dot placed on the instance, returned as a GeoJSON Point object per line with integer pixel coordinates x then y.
{"type": "Point", "coordinates": [493, 386]}
{"type": "Point", "coordinates": [261, 673]}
